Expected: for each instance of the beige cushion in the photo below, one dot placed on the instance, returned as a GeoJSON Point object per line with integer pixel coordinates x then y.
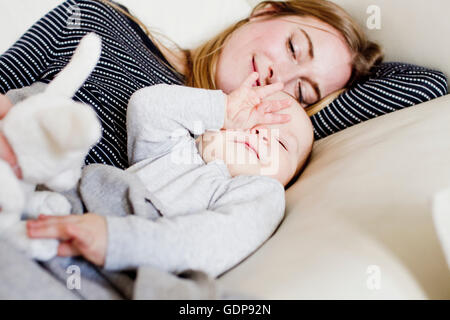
{"type": "Point", "coordinates": [363, 200]}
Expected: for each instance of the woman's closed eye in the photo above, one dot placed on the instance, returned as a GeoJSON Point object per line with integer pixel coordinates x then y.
{"type": "Point", "coordinates": [291, 48]}
{"type": "Point", "coordinates": [295, 55]}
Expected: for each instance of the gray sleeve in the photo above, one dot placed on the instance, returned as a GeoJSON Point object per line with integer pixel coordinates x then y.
{"type": "Point", "coordinates": [211, 241]}
{"type": "Point", "coordinates": [159, 116]}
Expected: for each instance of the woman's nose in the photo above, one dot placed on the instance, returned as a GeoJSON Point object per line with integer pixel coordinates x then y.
{"type": "Point", "coordinates": [283, 72]}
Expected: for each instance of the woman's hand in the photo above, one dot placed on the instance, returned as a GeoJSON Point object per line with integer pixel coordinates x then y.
{"type": "Point", "coordinates": [84, 235]}
{"type": "Point", "coordinates": [245, 108]}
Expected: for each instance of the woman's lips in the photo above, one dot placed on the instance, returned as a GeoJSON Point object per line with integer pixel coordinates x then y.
{"type": "Point", "coordinates": [255, 69]}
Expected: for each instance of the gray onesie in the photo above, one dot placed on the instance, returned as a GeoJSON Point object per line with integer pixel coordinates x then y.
{"type": "Point", "coordinates": [171, 213]}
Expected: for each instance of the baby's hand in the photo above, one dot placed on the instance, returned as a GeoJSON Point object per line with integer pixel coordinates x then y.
{"type": "Point", "coordinates": [245, 107]}
{"type": "Point", "coordinates": [84, 235]}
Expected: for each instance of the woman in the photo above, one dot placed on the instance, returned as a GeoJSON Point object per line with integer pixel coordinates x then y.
{"type": "Point", "coordinates": [312, 46]}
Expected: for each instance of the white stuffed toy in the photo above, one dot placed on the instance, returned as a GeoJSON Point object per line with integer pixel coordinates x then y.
{"type": "Point", "coordinates": [50, 135]}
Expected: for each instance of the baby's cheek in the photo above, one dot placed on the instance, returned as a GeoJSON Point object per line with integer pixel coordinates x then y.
{"type": "Point", "coordinates": [279, 167]}
{"type": "Point", "coordinates": [213, 148]}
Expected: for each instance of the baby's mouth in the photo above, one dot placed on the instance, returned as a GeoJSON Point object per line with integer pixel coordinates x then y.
{"type": "Point", "coordinates": [249, 147]}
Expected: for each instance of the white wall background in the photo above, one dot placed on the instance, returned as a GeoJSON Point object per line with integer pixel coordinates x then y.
{"type": "Point", "coordinates": [187, 22]}
{"type": "Point", "coordinates": [414, 31]}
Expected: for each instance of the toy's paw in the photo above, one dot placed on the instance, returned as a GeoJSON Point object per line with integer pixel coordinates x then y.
{"type": "Point", "coordinates": [48, 203]}
{"type": "Point", "coordinates": [43, 249]}
{"type": "Point", "coordinates": [65, 180]}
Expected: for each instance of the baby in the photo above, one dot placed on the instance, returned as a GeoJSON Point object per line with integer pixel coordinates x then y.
{"type": "Point", "coordinates": [214, 192]}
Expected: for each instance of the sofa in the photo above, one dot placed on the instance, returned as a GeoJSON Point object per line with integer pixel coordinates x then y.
{"type": "Point", "coordinates": [359, 221]}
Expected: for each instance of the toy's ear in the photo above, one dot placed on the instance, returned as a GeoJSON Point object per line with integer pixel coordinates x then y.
{"type": "Point", "coordinates": [83, 62]}
{"type": "Point", "coordinates": [70, 127]}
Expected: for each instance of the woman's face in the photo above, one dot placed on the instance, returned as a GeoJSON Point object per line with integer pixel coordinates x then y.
{"type": "Point", "coordinates": [309, 56]}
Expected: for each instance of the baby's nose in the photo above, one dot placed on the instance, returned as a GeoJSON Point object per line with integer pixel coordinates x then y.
{"type": "Point", "coordinates": [262, 133]}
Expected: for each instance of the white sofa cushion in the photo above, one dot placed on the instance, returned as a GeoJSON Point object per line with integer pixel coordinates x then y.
{"type": "Point", "coordinates": [364, 200]}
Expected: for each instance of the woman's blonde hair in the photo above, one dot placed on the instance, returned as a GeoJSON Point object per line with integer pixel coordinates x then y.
{"type": "Point", "coordinates": [182, 56]}
{"type": "Point", "coordinates": [201, 62]}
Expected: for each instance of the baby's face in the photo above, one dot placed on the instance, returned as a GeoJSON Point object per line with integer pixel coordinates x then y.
{"type": "Point", "coordinates": [276, 151]}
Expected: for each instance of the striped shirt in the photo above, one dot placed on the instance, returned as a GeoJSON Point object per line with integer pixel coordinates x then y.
{"type": "Point", "coordinates": [130, 61]}
{"type": "Point", "coordinates": [127, 64]}
{"type": "Point", "coordinates": [392, 86]}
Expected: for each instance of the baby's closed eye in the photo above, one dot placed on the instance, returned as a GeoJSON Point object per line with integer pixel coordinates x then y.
{"type": "Point", "coordinates": [283, 144]}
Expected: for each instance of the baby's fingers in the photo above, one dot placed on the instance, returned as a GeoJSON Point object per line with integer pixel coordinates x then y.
{"type": "Point", "coordinates": [265, 91]}
{"type": "Point", "coordinates": [53, 231]}
{"type": "Point", "coordinates": [276, 105]}
{"type": "Point", "coordinates": [276, 118]}
{"type": "Point", "coordinates": [250, 80]}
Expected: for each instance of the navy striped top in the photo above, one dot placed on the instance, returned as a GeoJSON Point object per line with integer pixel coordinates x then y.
{"type": "Point", "coordinates": [391, 86]}
{"type": "Point", "coordinates": [130, 61]}
{"type": "Point", "coordinates": [127, 64]}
